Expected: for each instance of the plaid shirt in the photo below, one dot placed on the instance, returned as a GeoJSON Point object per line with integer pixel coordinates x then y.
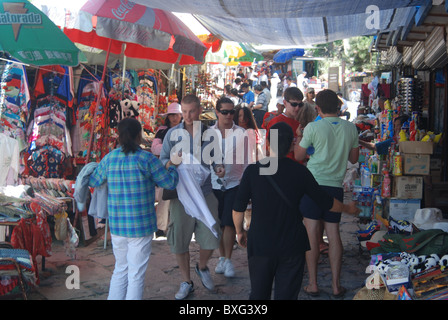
{"type": "Point", "coordinates": [131, 181]}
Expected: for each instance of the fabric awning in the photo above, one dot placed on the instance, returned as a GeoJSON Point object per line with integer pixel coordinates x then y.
{"type": "Point", "coordinates": [294, 23]}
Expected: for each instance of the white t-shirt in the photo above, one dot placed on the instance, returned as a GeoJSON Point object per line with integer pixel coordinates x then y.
{"type": "Point", "coordinates": [9, 160]}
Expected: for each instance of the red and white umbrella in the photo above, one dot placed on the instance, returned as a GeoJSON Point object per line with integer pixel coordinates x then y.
{"type": "Point", "coordinates": [147, 33]}
{"type": "Point", "coordinates": [136, 31]}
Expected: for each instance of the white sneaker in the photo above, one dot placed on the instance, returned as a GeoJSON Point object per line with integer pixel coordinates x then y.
{"type": "Point", "coordinates": [206, 278]}
{"type": "Point", "coordinates": [220, 266]}
{"type": "Point", "coordinates": [229, 270]}
{"type": "Point", "coordinates": [184, 290]}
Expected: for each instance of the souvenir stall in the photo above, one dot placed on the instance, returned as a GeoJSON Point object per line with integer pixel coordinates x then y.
{"type": "Point", "coordinates": [46, 125]}
{"type": "Point", "coordinates": [35, 128]}
{"type": "Point", "coordinates": [54, 125]}
{"type": "Point", "coordinates": [402, 234]}
{"type": "Point", "coordinates": [200, 82]}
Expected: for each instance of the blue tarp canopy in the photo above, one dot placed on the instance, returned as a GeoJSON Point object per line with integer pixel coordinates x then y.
{"type": "Point", "coordinates": [296, 22]}
{"type": "Point", "coordinates": [284, 55]}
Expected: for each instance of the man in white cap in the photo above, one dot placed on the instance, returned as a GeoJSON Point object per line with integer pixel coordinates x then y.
{"type": "Point", "coordinates": [270, 115]}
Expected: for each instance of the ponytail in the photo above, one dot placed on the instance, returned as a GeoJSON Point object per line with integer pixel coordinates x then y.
{"type": "Point", "coordinates": [129, 133]}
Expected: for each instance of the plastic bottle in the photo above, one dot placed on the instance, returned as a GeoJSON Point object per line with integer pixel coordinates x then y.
{"type": "Point", "coordinates": [374, 165]}
{"type": "Point", "coordinates": [365, 178]}
{"type": "Point", "coordinates": [398, 165]}
{"type": "Point", "coordinates": [385, 188]}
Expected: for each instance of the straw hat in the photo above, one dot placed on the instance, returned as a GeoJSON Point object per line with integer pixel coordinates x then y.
{"type": "Point", "coordinates": [430, 218]}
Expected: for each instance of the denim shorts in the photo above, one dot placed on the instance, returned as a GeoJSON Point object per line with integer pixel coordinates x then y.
{"type": "Point", "coordinates": [311, 210]}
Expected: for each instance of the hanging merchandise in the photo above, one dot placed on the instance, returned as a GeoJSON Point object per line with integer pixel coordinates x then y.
{"type": "Point", "coordinates": [14, 101]}
{"type": "Point", "coordinates": [161, 111]}
{"type": "Point", "coordinates": [146, 97]}
{"type": "Point", "coordinates": [410, 95]}
{"type": "Point", "coordinates": [9, 160]}
{"type": "Point", "coordinates": [87, 94]}
{"type": "Point", "coordinates": [204, 89]}
{"type": "Point", "coordinates": [48, 136]}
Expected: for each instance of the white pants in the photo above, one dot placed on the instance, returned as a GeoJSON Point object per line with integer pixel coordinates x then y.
{"type": "Point", "coordinates": [131, 262]}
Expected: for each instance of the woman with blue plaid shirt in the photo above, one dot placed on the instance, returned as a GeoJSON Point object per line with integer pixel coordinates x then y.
{"type": "Point", "coordinates": [132, 175]}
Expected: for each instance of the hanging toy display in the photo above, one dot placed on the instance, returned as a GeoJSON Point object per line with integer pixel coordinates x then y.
{"type": "Point", "coordinates": [146, 99]}
{"type": "Point", "coordinates": [163, 104]}
{"type": "Point", "coordinates": [204, 89]}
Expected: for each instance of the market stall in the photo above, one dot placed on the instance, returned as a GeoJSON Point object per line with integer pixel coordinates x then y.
{"type": "Point", "coordinates": [55, 119]}
{"type": "Point", "coordinates": [402, 232]}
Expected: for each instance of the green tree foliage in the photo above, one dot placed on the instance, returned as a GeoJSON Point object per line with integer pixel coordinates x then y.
{"type": "Point", "coordinates": [354, 51]}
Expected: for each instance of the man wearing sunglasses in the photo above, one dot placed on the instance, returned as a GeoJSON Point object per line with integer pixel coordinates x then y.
{"type": "Point", "coordinates": [226, 179]}
{"type": "Point", "coordinates": [292, 100]}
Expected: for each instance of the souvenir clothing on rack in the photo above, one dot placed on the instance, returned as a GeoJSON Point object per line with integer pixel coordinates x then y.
{"type": "Point", "coordinates": [15, 98]}
{"type": "Point", "coordinates": [9, 160]}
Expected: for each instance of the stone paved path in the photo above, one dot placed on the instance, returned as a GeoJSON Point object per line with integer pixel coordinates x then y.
{"type": "Point", "coordinates": [163, 277]}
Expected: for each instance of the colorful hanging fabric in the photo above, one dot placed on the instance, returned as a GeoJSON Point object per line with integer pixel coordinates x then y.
{"type": "Point", "coordinates": [49, 136]}
{"type": "Point", "coordinates": [14, 101]}
{"type": "Point", "coordinates": [47, 162]}
{"type": "Point", "coordinates": [146, 95]}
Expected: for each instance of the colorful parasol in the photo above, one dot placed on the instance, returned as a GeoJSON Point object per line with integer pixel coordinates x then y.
{"type": "Point", "coordinates": [143, 32]}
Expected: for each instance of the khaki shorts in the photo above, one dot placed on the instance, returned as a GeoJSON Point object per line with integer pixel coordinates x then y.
{"type": "Point", "coordinates": [182, 226]}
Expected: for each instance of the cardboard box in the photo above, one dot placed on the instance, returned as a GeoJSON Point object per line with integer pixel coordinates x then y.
{"type": "Point", "coordinates": [416, 147]}
{"type": "Point", "coordinates": [403, 209]}
{"type": "Point", "coordinates": [416, 164]}
{"type": "Point", "coordinates": [407, 187]}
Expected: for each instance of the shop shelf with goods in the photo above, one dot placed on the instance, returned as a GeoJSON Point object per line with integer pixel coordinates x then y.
{"type": "Point", "coordinates": [405, 237]}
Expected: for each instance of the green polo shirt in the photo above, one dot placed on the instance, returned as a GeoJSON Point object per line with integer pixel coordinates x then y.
{"type": "Point", "coordinates": [332, 139]}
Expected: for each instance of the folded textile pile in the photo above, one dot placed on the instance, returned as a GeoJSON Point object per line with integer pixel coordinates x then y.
{"type": "Point", "coordinates": [8, 273]}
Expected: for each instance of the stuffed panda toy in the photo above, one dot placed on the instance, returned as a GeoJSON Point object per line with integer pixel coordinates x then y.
{"type": "Point", "coordinates": [135, 107]}
{"type": "Point", "coordinates": [443, 262]}
{"type": "Point", "coordinates": [129, 108]}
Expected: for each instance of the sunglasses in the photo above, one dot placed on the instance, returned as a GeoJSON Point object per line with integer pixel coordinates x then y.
{"type": "Point", "coordinates": [226, 112]}
{"type": "Point", "coordinates": [296, 104]}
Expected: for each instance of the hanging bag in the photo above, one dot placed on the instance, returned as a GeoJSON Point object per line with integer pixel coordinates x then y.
{"type": "Point", "coordinates": [169, 194]}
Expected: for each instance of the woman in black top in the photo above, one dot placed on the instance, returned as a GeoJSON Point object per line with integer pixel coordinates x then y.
{"type": "Point", "coordinates": [277, 239]}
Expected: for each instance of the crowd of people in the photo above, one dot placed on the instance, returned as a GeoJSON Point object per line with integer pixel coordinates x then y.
{"type": "Point", "coordinates": [205, 179]}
